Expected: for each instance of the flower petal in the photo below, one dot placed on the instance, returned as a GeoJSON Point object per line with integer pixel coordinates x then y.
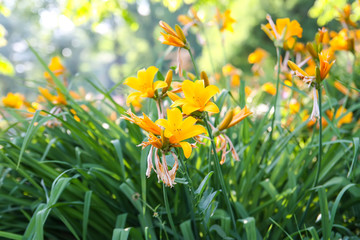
{"type": "Point", "coordinates": [188, 108]}
{"type": "Point", "coordinates": [211, 107]}
{"type": "Point", "coordinates": [186, 148]}
{"type": "Point", "coordinates": [159, 84]}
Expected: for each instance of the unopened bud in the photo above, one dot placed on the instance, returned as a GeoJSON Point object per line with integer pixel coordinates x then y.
{"type": "Point", "coordinates": [351, 43]}
{"type": "Point", "coordinates": [204, 77]}
{"type": "Point", "coordinates": [226, 121]}
{"type": "Point", "coordinates": [311, 50]}
{"type": "Point", "coordinates": [168, 80]}
{"type": "Point", "coordinates": [180, 33]}
{"type": "Point", "coordinates": [191, 76]}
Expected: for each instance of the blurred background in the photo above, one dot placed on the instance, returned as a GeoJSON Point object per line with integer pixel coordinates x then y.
{"type": "Point", "coordinates": [109, 40]}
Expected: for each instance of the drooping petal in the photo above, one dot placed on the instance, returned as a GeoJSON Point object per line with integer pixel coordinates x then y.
{"type": "Point", "coordinates": [186, 148]}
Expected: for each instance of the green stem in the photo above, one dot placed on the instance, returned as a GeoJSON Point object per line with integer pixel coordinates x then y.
{"type": "Point", "coordinates": [168, 211]}
{"type": "Point", "coordinates": [193, 61]}
{"type": "Point", "coordinates": [316, 180]}
{"type": "Point", "coordinates": [190, 200]}
{"type": "Point", "coordinates": [277, 93]}
{"type": "Point", "coordinates": [219, 173]}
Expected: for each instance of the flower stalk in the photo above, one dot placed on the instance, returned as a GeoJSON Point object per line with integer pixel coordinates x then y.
{"type": "Point", "coordinates": [219, 173]}
{"type": "Point", "coordinates": [277, 92]}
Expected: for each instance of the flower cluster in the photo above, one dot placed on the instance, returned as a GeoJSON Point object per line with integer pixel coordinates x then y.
{"type": "Point", "coordinates": [181, 125]}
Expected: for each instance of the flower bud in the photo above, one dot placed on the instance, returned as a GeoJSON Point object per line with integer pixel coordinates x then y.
{"type": "Point", "coordinates": [204, 77]}
{"type": "Point", "coordinates": [168, 80]}
{"type": "Point", "coordinates": [311, 50]}
{"type": "Point", "coordinates": [191, 76]}
{"type": "Point", "coordinates": [226, 121]}
{"type": "Point", "coordinates": [180, 33]}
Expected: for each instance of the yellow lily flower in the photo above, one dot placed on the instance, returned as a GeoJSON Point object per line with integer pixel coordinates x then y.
{"type": "Point", "coordinates": [257, 56]}
{"type": "Point", "coordinates": [340, 121]}
{"type": "Point", "coordinates": [13, 100]}
{"type": "Point", "coordinates": [197, 97]}
{"type": "Point", "coordinates": [269, 88]}
{"type": "Point", "coordinates": [177, 130]}
{"type": "Point", "coordinates": [144, 83]}
{"type": "Point", "coordinates": [225, 20]}
{"type": "Point", "coordinates": [283, 30]}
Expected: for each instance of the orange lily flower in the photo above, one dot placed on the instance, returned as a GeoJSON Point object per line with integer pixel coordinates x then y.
{"type": "Point", "coordinates": [174, 38]}
{"type": "Point", "coordinates": [56, 67]}
{"type": "Point", "coordinates": [144, 83]}
{"type": "Point", "coordinates": [145, 122]}
{"type": "Point", "coordinates": [60, 99]}
{"type": "Point", "coordinates": [197, 97]}
{"type": "Point", "coordinates": [13, 100]}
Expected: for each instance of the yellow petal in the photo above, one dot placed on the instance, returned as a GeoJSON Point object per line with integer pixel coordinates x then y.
{"type": "Point", "coordinates": [189, 108]}
{"type": "Point", "coordinates": [159, 84]}
{"type": "Point", "coordinates": [174, 117]}
{"type": "Point", "coordinates": [186, 148]}
{"type": "Point", "coordinates": [173, 96]}
{"type": "Point", "coordinates": [162, 122]}
{"type": "Point", "coordinates": [133, 97]}
{"type": "Point", "coordinates": [209, 92]}
{"type": "Point", "coordinates": [211, 107]}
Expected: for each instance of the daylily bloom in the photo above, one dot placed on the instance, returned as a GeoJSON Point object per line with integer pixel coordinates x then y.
{"type": "Point", "coordinates": [189, 21]}
{"type": "Point", "coordinates": [145, 122]}
{"type": "Point", "coordinates": [144, 83]}
{"type": "Point", "coordinates": [257, 56]}
{"type": "Point", "coordinates": [283, 31]}
{"type": "Point", "coordinates": [60, 99]}
{"type": "Point", "coordinates": [269, 88]}
{"type": "Point", "coordinates": [13, 100]}
{"type": "Point", "coordinates": [344, 17]}
{"type": "Point", "coordinates": [56, 67]}
{"type": "Point", "coordinates": [224, 20]}
{"type": "Point", "coordinates": [340, 41]}
{"type": "Point", "coordinates": [294, 106]}
{"type": "Point", "coordinates": [233, 72]}
{"type": "Point", "coordinates": [197, 97]}
{"type": "Point", "coordinates": [324, 68]}
{"type": "Point", "coordinates": [177, 130]}
{"type": "Point", "coordinates": [174, 38]}
{"type": "Point", "coordinates": [344, 119]}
